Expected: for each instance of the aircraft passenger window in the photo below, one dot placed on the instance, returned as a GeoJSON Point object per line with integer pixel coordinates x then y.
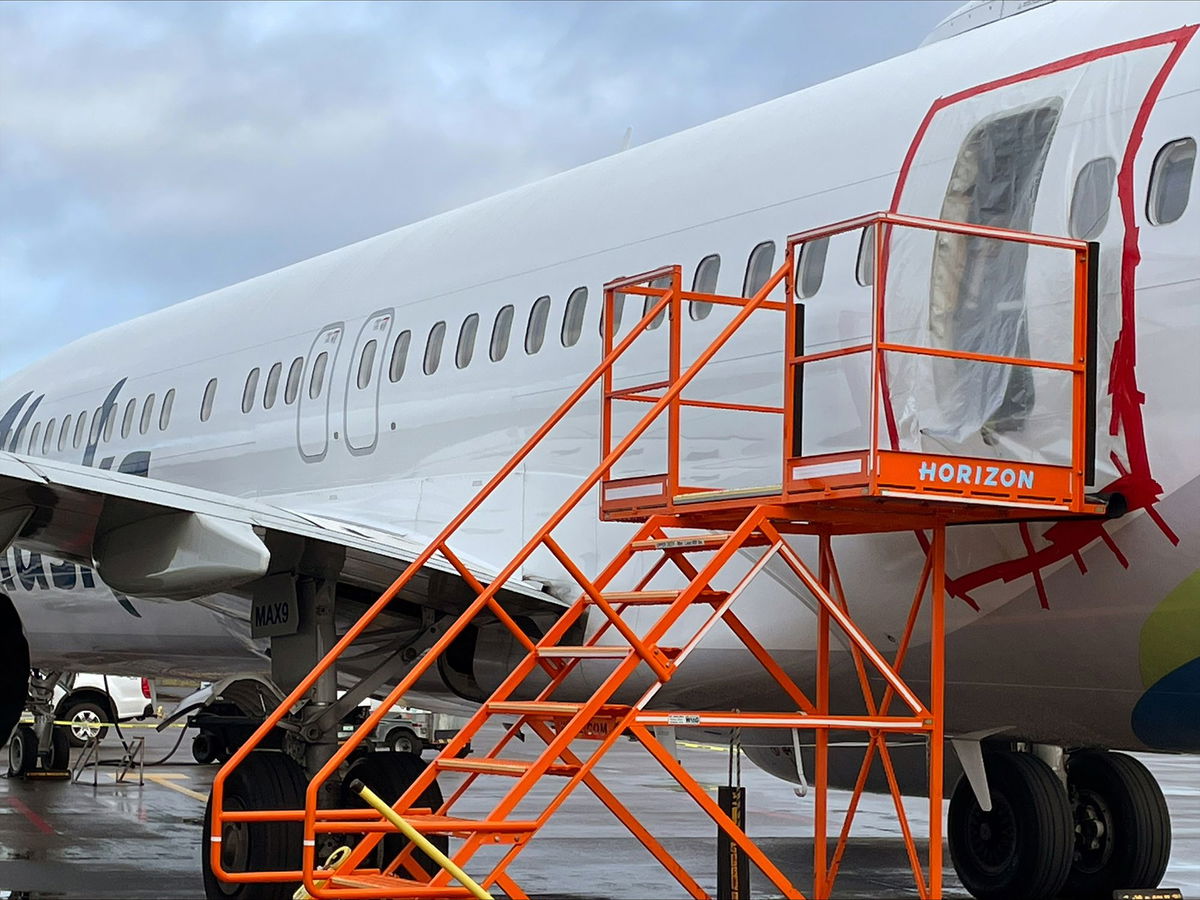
{"type": "Point", "coordinates": [1171, 181]}
{"type": "Point", "coordinates": [17, 438]}
{"type": "Point", "coordinates": [147, 414]}
{"type": "Point", "coordinates": [501, 330]}
{"type": "Point", "coordinates": [109, 422]}
{"type": "Point", "coordinates": [812, 267]}
{"type": "Point", "coordinates": [535, 333]}
{"type": "Point", "coordinates": [704, 282]}
{"type": "Point", "coordinates": [49, 438]}
{"type": "Point", "coordinates": [977, 285]}
{"type": "Point", "coordinates": [366, 364]}
{"type": "Point", "coordinates": [572, 325]}
{"type": "Point", "coordinates": [272, 388]}
{"type": "Point", "coordinates": [663, 281]}
{"type": "Point", "coordinates": [97, 423]}
{"type": "Point", "coordinates": [316, 381]}
{"type": "Point", "coordinates": [433, 347]}
{"type": "Point", "coordinates": [80, 429]}
{"type": "Point", "coordinates": [466, 341]}
{"type": "Point", "coordinates": [64, 433]}
{"type": "Point", "coordinates": [33, 438]}
{"type": "Point", "coordinates": [206, 405]}
{"type": "Point", "coordinates": [399, 356]}
{"type": "Point", "coordinates": [250, 390]}
{"type": "Point", "coordinates": [164, 417]}
{"type": "Point", "coordinates": [127, 421]}
{"type": "Point", "coordinates": [618, 312]}
{"type": "Point", "coordinates": [295, 372]}
{"type": "Point", "coordinates": [1091, 199]}
{"type": "Point", "coordinates": [864, 269]}
{"type": "Point", "coordinates": [759, 267]}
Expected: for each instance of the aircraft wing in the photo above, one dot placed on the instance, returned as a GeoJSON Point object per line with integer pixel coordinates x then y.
{"type": "Point", "coordinates": [155, 539]}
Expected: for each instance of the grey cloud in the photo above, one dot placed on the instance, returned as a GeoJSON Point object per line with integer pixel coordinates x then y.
{"type": "Point", "coordinates": [150, 152]}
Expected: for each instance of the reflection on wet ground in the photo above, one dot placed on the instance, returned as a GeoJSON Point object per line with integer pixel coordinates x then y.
{"type": "Point", "coordinates": [125, 841]}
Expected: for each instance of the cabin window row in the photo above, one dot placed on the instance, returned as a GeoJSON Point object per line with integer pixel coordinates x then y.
{"type": "Point", "coordinates": [72, 431]}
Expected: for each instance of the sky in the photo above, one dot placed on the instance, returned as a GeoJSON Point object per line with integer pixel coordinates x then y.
{"type": "Point", "coordinates": [151, 152]}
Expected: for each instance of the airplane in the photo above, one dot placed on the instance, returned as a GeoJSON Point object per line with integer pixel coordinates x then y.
{"type": "Point", "coordinates": [219, 486]}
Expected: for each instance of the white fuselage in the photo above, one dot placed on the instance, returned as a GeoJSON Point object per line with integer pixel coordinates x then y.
{"type": "Point", "coordinates": [404, 454]}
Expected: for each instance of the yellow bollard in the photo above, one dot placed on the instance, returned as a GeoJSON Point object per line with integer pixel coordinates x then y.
{"type": "Point", "coordinates": [419, 839]}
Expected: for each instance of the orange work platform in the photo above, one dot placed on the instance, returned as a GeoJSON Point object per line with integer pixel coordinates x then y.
{"type": "Point", "coordinates": [880, 478]}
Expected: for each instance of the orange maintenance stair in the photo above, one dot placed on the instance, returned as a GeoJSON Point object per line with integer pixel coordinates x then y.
{"type": "Point", "coordinates": [677, 559]}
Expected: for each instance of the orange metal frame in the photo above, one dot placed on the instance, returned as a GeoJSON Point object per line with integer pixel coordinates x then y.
{"type": "Point", "coordinates": [727, 525]}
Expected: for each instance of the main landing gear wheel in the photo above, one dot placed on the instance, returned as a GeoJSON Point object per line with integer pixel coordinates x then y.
{"type": "Point", "coordinates": [22, 751]}
{"type": "Point", "coordinates": [389, 775]}
{"type": "Point", "coordinates": [264, 780]}
{"type": "Point", "coordinates": [1122, 826]}
{"type": "Point", "coordinates": [85, 718]}
{"type": "Point", "coordinates": [60, 749]}
{"type": "Point", "coordinates": [1022, 847]}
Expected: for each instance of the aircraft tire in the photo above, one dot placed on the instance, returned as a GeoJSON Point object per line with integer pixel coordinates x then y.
{"type": "Point", "coordinates": [389, 775]}
{"type": "Point", "coordinates": [60, 749]}
{"type": "Point", "coordinates": [1122, 825]}
{"type": "Point", "coordinates": [263, 781]}
{"type": "Point", "coordinates": [22, 751]}
{"type": "Point", "coordinates": [1023, 847]}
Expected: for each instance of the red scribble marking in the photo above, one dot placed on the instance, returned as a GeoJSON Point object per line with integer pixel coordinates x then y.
{"type": "Point", "coordinates": [1037, 575]}
{"type": "Point", "coordinates": [1136, 484]}
{"type": "Point", "coordinates": [34, 819]}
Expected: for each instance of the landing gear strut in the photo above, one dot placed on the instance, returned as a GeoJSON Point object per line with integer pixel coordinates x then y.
{"type": "Point", "coordinates": [1107, 828]}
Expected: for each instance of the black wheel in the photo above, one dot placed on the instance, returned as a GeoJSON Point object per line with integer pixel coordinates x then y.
{"type": "Point", "coordinates": [264, 780]}
{"type": "Point", "coordinates": [1122, 826]}
{"type": "Point", "coordinates": [60, 749]}
{"type": "Point", "coordinates": [206, 748]}
{"type": "Point", "coordinates": [389, 775]}
{"type": "Point", "coordinates": [1022, 847]}
{"type": "Point", "coordinates": [85, 717]}
{"type": "Point", "coordinates": [22, 751]}
{"type": "Point", "coordinates": [404, 740]}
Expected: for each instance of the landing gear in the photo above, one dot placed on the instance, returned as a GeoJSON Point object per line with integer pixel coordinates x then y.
{"type": "Point", "coordinates": [22, 751]}
{"type": "Point", "coordinates": [1023, 846]}
{"type": "Point", "coordinates": [389, 775]}
{"type": "Point", "coordinates": [1122, 826]}
{"type": "Point", "coordinates": [265, 780]}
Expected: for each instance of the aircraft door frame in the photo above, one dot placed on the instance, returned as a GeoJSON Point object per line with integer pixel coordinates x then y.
{"type": "Point", "coordinates": [312, 411]}
{"type": "Point", "coordinates": [360, 408]}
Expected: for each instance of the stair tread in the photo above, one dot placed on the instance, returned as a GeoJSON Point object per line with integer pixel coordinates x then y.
{"type": "Point", "coordinates": [494, 766]}
{"type": "Point", "coordinates": [690, 542]}
{"type": "Point", "coordinates": [594, 652]}
{"type": "Point", "coordinates": [395, 883]}
{"type": "Point", "coordinates": [658, 598]}
{"type": "Point", "coordinates": [550, 708]}
{"type": "Point", "coordinates": [448, 824]}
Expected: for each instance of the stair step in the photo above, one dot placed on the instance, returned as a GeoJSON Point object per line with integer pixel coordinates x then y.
{"type": "Point", "coordinates": [691, 543]}
{"type": "Point", "coordinates": [514, 767]}
{"type": "Point", "coordinates": [566, 652]}
{"type": "Point", "coordinates": [549, 709]}
{"type": "Point", "coordinates": [658, 598]}
{"type": "Point", "coordinates": [392, 886]}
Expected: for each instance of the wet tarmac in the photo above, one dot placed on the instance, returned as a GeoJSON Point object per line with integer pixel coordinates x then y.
{"type": "Point", "coordinates": [128, 841]}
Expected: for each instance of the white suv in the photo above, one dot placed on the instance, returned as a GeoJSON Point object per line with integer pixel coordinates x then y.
{"type": "Point", "coordinates": [94, 700]}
